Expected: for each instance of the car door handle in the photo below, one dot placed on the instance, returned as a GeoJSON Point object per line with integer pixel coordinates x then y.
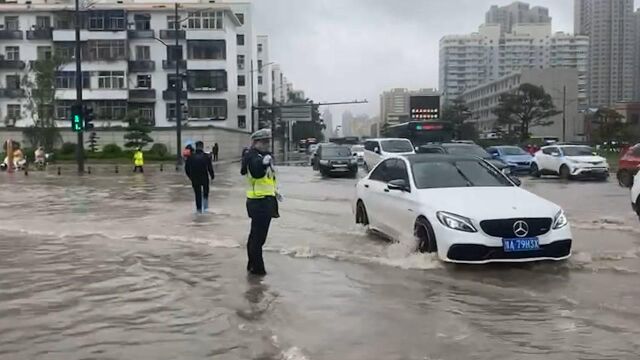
{"type": "Point", "coordinates": [366, 185]}
{"type": "Point", "coordinates": [386, 190]}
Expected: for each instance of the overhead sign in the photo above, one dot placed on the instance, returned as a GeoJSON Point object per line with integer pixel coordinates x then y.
{"type": "Point", "coordinates": [424, 107]}
{"type": "Point", "coordinates": [296, 113]}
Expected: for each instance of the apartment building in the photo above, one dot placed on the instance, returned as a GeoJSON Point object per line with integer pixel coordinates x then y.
{"type": "Point", "coordinates": [278, 84]}
{"type": "Point", "coordinates": [516, 13]}
{"type": "Point", "coordinates": [483, 99]}
{"type": "Point", "coordinates": [129, 60]}
{"type": "Point", "coordinates": [263, 69]}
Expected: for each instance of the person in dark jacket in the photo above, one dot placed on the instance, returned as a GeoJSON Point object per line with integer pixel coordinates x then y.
{"type": "Point", "coordinates": [262, 204]}
{"type": "Point", "coordinates": [199, 169]}
{"type": "Point", "coordinates": [214, 151]}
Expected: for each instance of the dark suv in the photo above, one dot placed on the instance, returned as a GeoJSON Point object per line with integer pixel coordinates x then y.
{"type": "Point", "coordinates": [461, 148]}
{"type": "Point", "coordinates": [332, 159]}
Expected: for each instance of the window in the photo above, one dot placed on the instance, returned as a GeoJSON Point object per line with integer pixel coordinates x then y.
{"type": "Point", "coordinates": [242, 101]}
{"type": "Point", "coordinates": [174, 53]}
{"type": "Point", "coordinates": [549, 150]}
{"type": "Point", "coordinates": [44, 52]}
{"type": "Point", "coordinates": [370, 145]}
{"type": "Point", "coordinates": [171, 23]}
{"type": "Point", "coordinates": [209, 109]}
{"type": "Point", "coordinates": [171, 82]}
{"type": "Point", "coordinates": [111, 79]}
{"type": "Point", "coordinates": [142, 21]}
{"type": "Point", "coordinates": [43, 22]}
{"type": "Point", "coordinates": [240, 39]}
{"type": "Point", "coordinates": [107, 49]}
{"type": "Point", "coordinates": [381, 173]}
{"type": "Point", "coordinates": [241, 80]}
{"type": "Point", "coordinates": [171, 111]}
{"type": "Point", "coordinates": [259, 48]}
{"type": "Point", "coordinates": [206, 20]}
{"type": "Point", "coordinates": [240, 17]}
{"type": "Point", "coordinates": [107, 20]}
{"type": "Point", "coordinates": [464, 173]}
{"type": "Point", "coordinates": [206, 49]}
{"type": "Point", "coordinates": [63, 109]}
{"type": "Point", "coordinates": [143, 53]}
{"type": "Point", "coordinates": [240, 62]}
{"type": "Point", "coordinates": [144, 81]}
{"type": "Point", "coordinates": [260, 80]}
{"type": "Point", "coordinates": [13, 111]}
{"type": "Point", "coordinates": [12, 52]}
{"type": "Point", "coordinates": [11, 23]}
{"type": "Point", "coordinates": [397, 170]}
{"type": "Point", "coordinates": [242, 122]}
{"type": "Point", "coordinates": [13, 82]}
{"type": "Point", "coordinates": [110, 109]}
{"type": "Point", "coordinates": [212, 80]}
{"type": "Point", "coordinates": [65, 50]}
{"type": "Point", "coordinates": [67, 80]}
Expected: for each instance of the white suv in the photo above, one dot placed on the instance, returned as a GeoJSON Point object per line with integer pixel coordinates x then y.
{"type": "Point", "coordinates": [635, 194]}
{"type": "Point", "coordinates": [376, 150]}
{"type": "Point", "coordinates": [569, 161]}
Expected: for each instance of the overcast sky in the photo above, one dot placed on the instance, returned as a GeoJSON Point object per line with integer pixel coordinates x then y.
{"type": "Point", "coordinates": [355, 49]}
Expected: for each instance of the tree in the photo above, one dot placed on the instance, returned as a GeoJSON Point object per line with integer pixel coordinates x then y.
{"type": "Point", "coordinates": [39, 85]}
{"type": "Point", "coordinates": [610, 126]}
{"type": "Point", "coordinates": [527, 107]}
{"type": "Point", "coordinates": [93, 142]}
{"type": "Point", "coordinates": [137, 132]}
{"type": "Point", "coordinates": [457, 112]}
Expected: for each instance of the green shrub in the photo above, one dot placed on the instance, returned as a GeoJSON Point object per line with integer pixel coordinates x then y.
{"type": "Point", "coordinates": [159, 149]}
{"type": "Point", "coordinates": [111, 151]}
{"type": "Point", "coordinates": [68, 148]}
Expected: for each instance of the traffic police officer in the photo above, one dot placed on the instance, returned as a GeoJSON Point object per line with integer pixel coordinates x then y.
{"type": "Point", "coordinates": [262, 204]}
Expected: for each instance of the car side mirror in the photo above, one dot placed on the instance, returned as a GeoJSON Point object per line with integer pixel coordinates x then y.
{"type": "Point", "coordinates": [495, 155]}
{"type": "Point", "coordinates": [377, 150]}
{"type": "Point", "coordinates": [354, 154]}
{"type": "Point", "coordinates": [398, 184]}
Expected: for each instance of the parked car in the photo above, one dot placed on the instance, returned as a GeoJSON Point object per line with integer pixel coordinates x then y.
{"type": "Point", "coordinates": [358, 153]}
{"type": "Point", "coordinates": [517, 158]}
{"type": "Point", "coordinates": [635, 195]}
{"type": "Point", "coordinates": [461, 208]}
{"type": "Point", "coordinates": [569, 161]}
{"type": "Point", "coordinates": [628, 166]}
{"type": "Point", "coordinates": [333, 159]}
{"type": "Point", "coordinates": [376, 150]}
{"type": "Point", "coordinates": [458, 148]}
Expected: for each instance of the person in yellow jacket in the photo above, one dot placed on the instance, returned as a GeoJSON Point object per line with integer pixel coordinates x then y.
{"type": "Point", "coordinates": [138, 160]}
{"type": "Point", "coordinates": [262, 196]}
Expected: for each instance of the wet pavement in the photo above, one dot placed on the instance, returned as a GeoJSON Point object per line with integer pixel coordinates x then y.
{"type": "Point", "coordinates": [110, 266]}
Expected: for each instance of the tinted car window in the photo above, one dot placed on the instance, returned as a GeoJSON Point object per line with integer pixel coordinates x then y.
{"type": "Point", "coordinates": [431, 150]}
{"type": "Point", "coordinates": [336, 151]}
{"type": "Point", "coordinates": [636, 150]}
{"type": "Point", "coordinates": [381, 173]}
{"type": "Point", "coordinates": [493, 151]}
{"type": "Point", "coordinates": [370, 145]}
{"type": "Point", "coordinates": [397, 170]}
{"type": "Point", "coordinates": [577, 151]}
{"type": "Point", "coordinates": [513, 150]}
{"type": "Point", "coordinates": [547, 151]}
{"type": "Point", "coordinates": [397, 146]}
{"type": "Point", "coordinates": [464, 173]}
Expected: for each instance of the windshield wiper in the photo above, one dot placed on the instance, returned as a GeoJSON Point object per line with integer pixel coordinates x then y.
{"type": "Point", "coordinates": [469, 183]}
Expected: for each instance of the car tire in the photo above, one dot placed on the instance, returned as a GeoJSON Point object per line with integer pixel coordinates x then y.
{"type": "Point", "coordinates": [535, 171]}
{"type": "Point", "coordinates": [361, 214]}
{"type": "Point", "coordinates": [638, 207]}
{"type": "Point", "coordinates": [565, 173]}
{"type": "Point", "coordinates": [425, 236]}
{"type": "Point", "coordinates": [625, 178]}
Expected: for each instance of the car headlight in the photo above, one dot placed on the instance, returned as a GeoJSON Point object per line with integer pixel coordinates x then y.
{"type": "Point", "coordinates": [324, 162]}
{"type": "Point", "coordinates": [455, 222]}
{"type": "Point", "coordinates": [560, 220]}
{"type": "Point", "coordinates": [573, 161]}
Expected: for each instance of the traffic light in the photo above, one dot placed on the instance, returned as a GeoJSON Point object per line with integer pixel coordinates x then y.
{"type": "Point", "coordinates": [88, 117]}
{"type": "Point", "coordinates": [77, 123]}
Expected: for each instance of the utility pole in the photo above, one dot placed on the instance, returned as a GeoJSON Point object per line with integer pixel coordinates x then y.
{"type": "Point", "coordinates": [564, 113]}
{"type": "Point", "coordinates": [178, 93]}
{"type": "Point", "coordinates": [80, 144]}
{"type": "Point", "coordinates": [253, 125]}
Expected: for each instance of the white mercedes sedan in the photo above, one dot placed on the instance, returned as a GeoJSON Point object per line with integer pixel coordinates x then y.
{"type": "Point", "coordinates": [461, 207]}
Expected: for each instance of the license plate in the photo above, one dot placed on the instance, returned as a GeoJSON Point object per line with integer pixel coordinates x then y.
{"type": "Point", "coordinates": [340, 166]}
{"type": "Point", "coordinates": [523, 244]}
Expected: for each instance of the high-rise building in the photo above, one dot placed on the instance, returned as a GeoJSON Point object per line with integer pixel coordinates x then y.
{"type": "Point", "coordinates": [394, 104]}
{"type": "Point", "coordinates": [610, 26]}
{"type": "Point", "coordinates": [516, 13]}
{"type": "Point", "coordinates": [467, 61]}
{"type": "Point", "coordinates": [263, 69]}
{"type": "Point", "coordinates": [636, 66]}
{"type": "Point", "coordinates": [327, 117]}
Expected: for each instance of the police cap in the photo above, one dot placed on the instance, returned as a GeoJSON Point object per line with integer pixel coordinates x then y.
{"type": "Point", "coordinates": [262, 134]}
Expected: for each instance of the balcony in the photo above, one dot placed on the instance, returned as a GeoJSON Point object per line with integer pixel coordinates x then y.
{"type": "Point", "coordinates": [40, 34]}
{"type": "Point", "coordinates": [171, 95]}
{"type": "Point", "coordinates": [171, 34]}
{"type": "Point", "coordinates": [141, 34]}
{"type": "Point", "coordinates": [142, 95]}
{"type": "Point", "coordinates": [171, 64]}
{"type": "Point", "coordinates": [141, 65]}
{"type": "Point", "coordinates": [11, 35]}
{"type": "Point", "coordinates": [12, 93]}
{"type": "Point", "coordinates": [11, 64]}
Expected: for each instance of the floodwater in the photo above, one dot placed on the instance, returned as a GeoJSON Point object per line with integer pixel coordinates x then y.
{"type": "Point", "coordinates": [118, 266]}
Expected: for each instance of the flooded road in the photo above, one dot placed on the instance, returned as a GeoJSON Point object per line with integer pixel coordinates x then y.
{"type": "Point", "coordinates": [119, 267]}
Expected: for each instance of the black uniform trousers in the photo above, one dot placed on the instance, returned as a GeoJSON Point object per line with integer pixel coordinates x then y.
{"type": "Point", "coordinates": [201, 191]}
{"type": "Point", "coordinates": [261, 211]}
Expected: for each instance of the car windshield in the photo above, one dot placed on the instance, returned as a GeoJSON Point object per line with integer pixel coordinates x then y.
{"type": "Point", "coordinates": [468, 150]}
{"type": "Point", "coordinates": [577, 151]}
{"type": "Point", "coordinates": [462, 173]}
{"type": "Point", "coordinates": [336, 151]}
{"type": "Point", "coordinates": [513, 150]}
{"type": "Point", "coordinates": [397, 146]}
{"type": "Point", "coordinates": [357, 148]}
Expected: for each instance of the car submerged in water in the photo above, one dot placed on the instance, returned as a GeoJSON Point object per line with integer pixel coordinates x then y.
{"type": "Point", "coordinates": [462, 208]}
{"type": "Point", "coordinates": [332, 159]}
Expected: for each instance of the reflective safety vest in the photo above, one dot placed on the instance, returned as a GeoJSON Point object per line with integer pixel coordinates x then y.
{"type": "Point", "coordinates": [263, 187]}
{"type": "Point", "coordinates": [138, 158]}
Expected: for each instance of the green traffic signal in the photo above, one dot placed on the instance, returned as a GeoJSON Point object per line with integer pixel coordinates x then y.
{"type": "Point", "coordinates": [77, 123]}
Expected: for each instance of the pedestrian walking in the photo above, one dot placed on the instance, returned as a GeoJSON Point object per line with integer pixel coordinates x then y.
{"type": "Point", "coordinates": [138, 160]}
{"type": "Point", "coordinates": [200, 171]}
{"type": "Point", "coordinates": [187, 152]}
{"type": "Point", "coordinates": [262, 203]}
{"type": "Point", "coordinates": [214, 151]}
